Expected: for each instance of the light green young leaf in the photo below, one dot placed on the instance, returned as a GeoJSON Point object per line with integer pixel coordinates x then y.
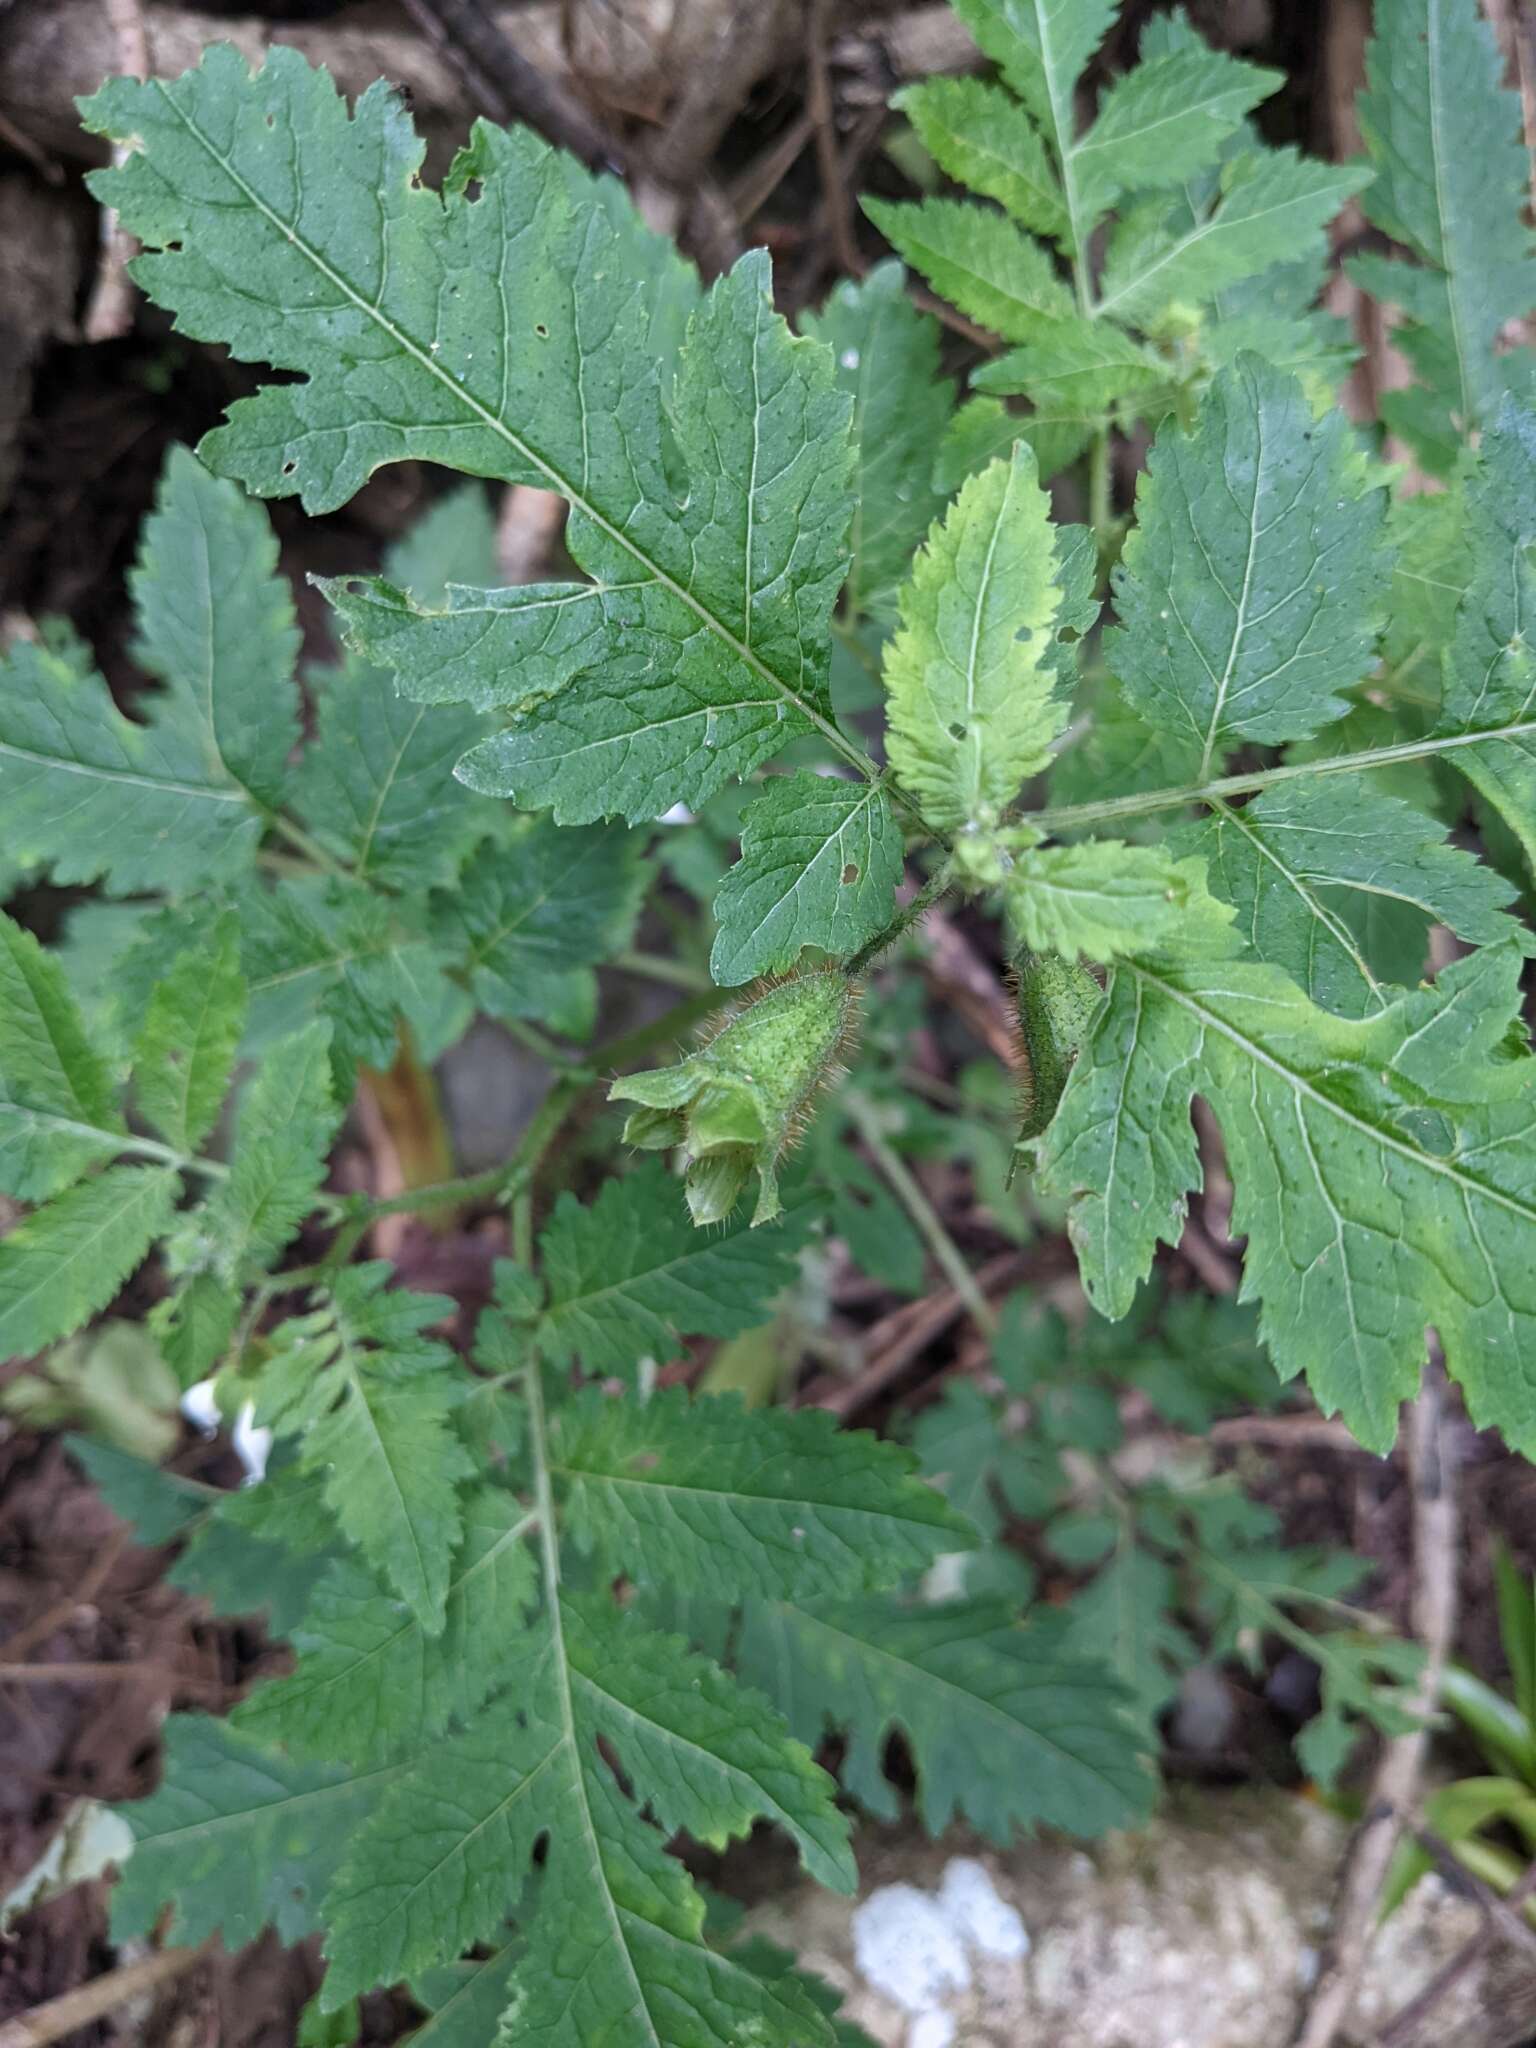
{"type": "Point", "coordinates": [887, 356]}
{"type": "Point", "coordinates": [528, 911]}
{"type": "Point", "coordinates": [973, 704]}
{"type": "Point", "coordinates": [57, 1110]}
{"type": "Point", "coordinates": [712, 1758]}
{"type": "Point", "coordinates": [92, 795]}
{"type": "Point", "coordinates": [371, 1397]}
{"type": "Point", "coordinates": [1125, 1618]}
{"type": "Point", "coordinates": [1338, 883]}
{"type": "Point", "coordinates": [285, 1124]}
{"type": "Point", "coordinates": [1083, 368]}
{"type": "Point", "coordinates": [1009, 1727]}
{"type": "Point", "coordinates": [1443, 133]}
{"type": "Point", "coordinates": [1104, 899]}
{"type": "Point", "coordinates": [1268, 205]}
{"type": "Point", "coordinates": [1249, 593]}
{"type": "Point", "coordinates": [534, 368]}
{"type": "Point", "coordinates": [186, 1048]}
{"type": "Point", "coordinates": [370, 1683]}
{"type": "Point", "coordinates": [64, 1262]}
{"type": "Point", "coordinates": [978, 260]}
{"type": "Point", "coordinates": [238, 1837]}
{"type": "Point", "coordinates": [820, 860]}
{"type": "Point", "coordinates": [629, 1275]}
{"type": "Point", "coordinates": [789, 1503]}
{"type": "Point", "coordinates": [1162, 121]}
{"type": "Point", "coordinates": [1042, 48]}
{"type": "Point", "coordinates": [987, 142]}
{"type": "Point", "coordinates": [216, 626]}
{"type": "Point", "coordinates": [1385, 1172]}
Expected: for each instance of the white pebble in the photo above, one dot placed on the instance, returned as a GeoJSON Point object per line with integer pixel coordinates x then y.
{"type": "Point", "coordinates": [982, 1919]}
{"type": "Point", "coordinates": [907, 1949]}
{"type": "Point", "coordinates": [932, 2030]}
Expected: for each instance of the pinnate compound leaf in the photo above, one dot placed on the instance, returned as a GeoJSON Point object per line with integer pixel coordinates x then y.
{"type": "Point", "coordinates": [503, 327]}
{"type": "Point", "coordinates": [1008, 1727]}
{"type": "Point", "coordinates": [57, 1112]}
{"type": "Point", "coordinates": [370, 1683]}
{"type": "Point", "coordinates": [371, 1397]}
{"type": "Point", "coordinates": [1075, 368]}
{"type": "Point", "coordinates": [64, 1262]}
{"type": "Point", "coordinates": [186, 1048]}
{"type": "Point", "coordinates": [972, 699]}
{"type": "Point", "coordinates": [789, 1503]}
{"type": "Point", "coordinates": [887, 356]}
{"type": "Point", "coordinates": [216, 625]}
{"type": "Point", "coordinates": [820, 860]}
{"type": "Point", "coordinates": [712, 1758]}
{"type": "Point", "coordinates": [1162, 121]}
{"type": "Point", "coordinates": [92, 795]}
{"type": "Point", "coordinates": [1269, 204]}
{"type": "Point", "coordinates": [285, 1124]}
{"type": "Point", "coordinates": [1384, 1169]}
{"type": "Point", "coordinates": [1250, 590]}
{"type": "Point", "coordinates": [1338, 883]}
{"type": "Point", "coordinates": [1105, 899]}
{"type": "Point", "coordinates": [986, 141]}
{"type": "Point", "coordinates": [238, 1837]}
{"type": "Point", "coordinates": [978, 260]}
{"type": "Point", "coordinates": [1443, 134]}
{"type": "Point", "coordinates": [526, 913]}
{"type": "Point", "coordinates": [1042, 48]}
{"type": "Point", "coordinates": [629, 1275]}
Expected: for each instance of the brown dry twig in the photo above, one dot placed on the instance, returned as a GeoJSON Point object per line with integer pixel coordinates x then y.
{"type": "Point", "coordinates": [1405, 2028]}
{"type": "Point", "coordinates": [895, 1341]}
{"type": "Point", "coordinates": [837, 210]}
{"type": "Point", "coordinates": [91, 2001]}
{"type": "Point", "coordinates": [508, 84]}
{"type": "Point", "coordinates": [1394, 1788]}
{"type": "Point", "coordinates": [110, 312]}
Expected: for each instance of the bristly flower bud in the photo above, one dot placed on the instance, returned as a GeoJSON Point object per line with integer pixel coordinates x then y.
{"type": "Point", "coordinates": [741, 1101]}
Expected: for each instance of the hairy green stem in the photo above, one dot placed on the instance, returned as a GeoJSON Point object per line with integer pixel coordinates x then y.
{"type": "Point", "coordinates": [1067, 817]}
{"type": "Point", "coordinates": [907, 916]}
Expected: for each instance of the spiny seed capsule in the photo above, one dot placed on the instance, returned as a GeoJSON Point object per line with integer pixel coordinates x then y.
{"type": "Point", "coordinates": [1055, 1002]}
{"type": "Point", "coordinates": [740, 1102]}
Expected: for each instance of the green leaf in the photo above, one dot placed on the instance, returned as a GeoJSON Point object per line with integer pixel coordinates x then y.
{"type": "Point", "coordinates": [1489, 680]}
{"type": "Point", "coordinates": [238, 1837]}
{"type": "Point", "coordinates": [1269, 204]}
{"type": "Point", "coordinates": [186, 1048]}
{"type": "Point", "coordinates": [454, 541]}
{"type": "Point", "coordinates": [1008, 1727]}
{"type": "Point", "coordinates": [465, 1999]}
{"type": "Point", "coordinates": [1125, 1618]}
{"type": "Point", "coordinates": [535, 368]}
{"type": "Point", "coordinates": [887, 356]}
{"type": "Point", "coordinates": [629, 1275]}
{"type": "Point", "coordinates": [1338, 883]}
{"type": "Point", "coordinates": [1249, 594]}
{"type": "Point", "coordinates": [973, 704]}
{"type": "Point", "coordinates": [160, 1505]}
{"type": "Point", "coordinates": [1164, 120]}
{"type": "Point", "coordinates": [1042, 48]}
{"type": "Point", "coordinates": [976, 259]}
{"type": "Point", "coordinates": [788, 1502]}
{"type": "Point", "coordinates": [1075, 367]}
{"type": "Point", "coordinates": [526, 913]}
{"type": "Point", "coordinates": [1105, 899]}
{"type": "Point", "coordinates": [985, 140]}
{"type": "Point", "coordinates": [370, 1683]}
{"type": "Point", "coordinates": [91, 795]}
{"type": "Point", "coordinates": [216, 626]}
{"type": "Point", "coordinates": [286, 1121]}
{"type": "Point", "coordinates": [820, 860]}
{"type": "Point", "coordinates": [1443, 133]}
{"type": "Point", "coordinates": [1384, 1172]}
{"type": "Point", "coordinates": [371, 1398]}
{"type": "Point", "coordinates": [57, 1111]}
{"type": "Point", "coordinates": [614, 1947]}
{"type": "Point", "coordinates": [64, 1262]}
{"type": "Point", "coordinates": [712, 1757]}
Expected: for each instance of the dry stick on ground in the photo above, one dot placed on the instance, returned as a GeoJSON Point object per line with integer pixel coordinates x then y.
{"type": "Point", "coordinates": [91, 2001]}
{"type": "Point", "coordinates": [891, 1344]}
{"type": "Point", "coordinates": [1394, 1787]}
{"type": "Point", "coordinates": [42, 1626]}
{"type": "Point", "coordinates": [1496, 1909]}
{"type": "Point", "coordinates": [1404, 2029]}
{"type": "Point", "coordinates": [836, 208]}
{"type": "Point", "coordinates": [109, 315]}
{"type": "Point", "coordinates": [511, 88]}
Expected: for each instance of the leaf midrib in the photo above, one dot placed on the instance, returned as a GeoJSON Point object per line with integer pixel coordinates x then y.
{"type": "Point", "coordinates": [523, 449]}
